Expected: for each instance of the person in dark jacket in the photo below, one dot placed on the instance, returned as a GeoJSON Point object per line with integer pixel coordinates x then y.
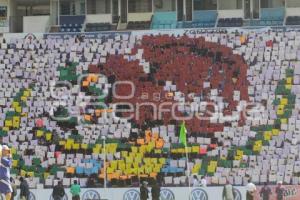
{"type": "Point", "coordinates": [58, 191]}
{"type": "Point", "coordinates": [155, 191]}
{"type": "Point", "coordinates": [279, 191]}
{"type": "Point", "coordinates": [90, 182]}
{"type": "Point", "coordinates": [24, 189]}
{"type": "Point", "coordinates": [14, 188]}
{"type": "Point", "coordinates": [144, 193]}
{"type": "Point", "coordinates": [265, 192]}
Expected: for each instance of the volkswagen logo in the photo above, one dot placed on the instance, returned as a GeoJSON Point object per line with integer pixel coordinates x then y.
{"type": "Point", "coordinates": [237, 194]}
{"type": "Point", "coordinates": [64, 198]}
{"type": "Point", "coordinates": [31, 196]}
{"type": "Point", "coordinates": [131, 195]}
{"type": "Point", "coordinates": [166, 194]}
{"type": "Point", "coordinates": [91, 195]}
{"type": "Point", "coordinates": [198, 194]}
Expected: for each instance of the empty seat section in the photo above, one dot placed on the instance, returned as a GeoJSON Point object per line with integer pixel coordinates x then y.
{"type": "Point", "coordinates": [71, 23]}
{"type": "Point", "coordinates": [293, 20]}
{"type": "Point", "coordinates": [203, 19]}
{"type": "Point", "coordinates": [164, 20]}
{"type": "Point", "coordinates": [230, 22]}
{"type": "Point", "coordinates": [271, 17]}
{"type": "Point", "coordinates": [93, 27]}
{"type": "Point", "coordinates": [139, 25]}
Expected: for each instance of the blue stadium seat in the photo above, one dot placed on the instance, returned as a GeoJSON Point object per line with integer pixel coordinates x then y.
{"type": "Point", "coordinates": [164, 20]}
{"type": "Point", "coordinates": [71, 23]}
{"type": "Point", "coordinates": [272, 16]}
{"type": "Point", "coordinates": [79, 170]}
{"type": "Point", "coordinates": [203, 19]}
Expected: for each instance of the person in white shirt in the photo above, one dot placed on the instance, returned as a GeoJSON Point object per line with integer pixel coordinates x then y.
{"type": "Point", "coordinates": [228, 191]}
{"type": "Point", "coordinates": [203, 181]}
{"type": "Point", "coordinates": [195, 181]}
{"type": "Point", "coordinates": [251, 189]}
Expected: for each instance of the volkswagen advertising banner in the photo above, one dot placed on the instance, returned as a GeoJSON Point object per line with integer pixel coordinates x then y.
{"type": "Point", "coordinates": [291, 192]}
{"type": "Point", "coordinates": [170, 193]}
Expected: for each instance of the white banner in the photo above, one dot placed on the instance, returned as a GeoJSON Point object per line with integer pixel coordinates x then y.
{"type": "Point", "coordinates": [176, 32]}
{"type": "Point", "coordinates": [169, 193]}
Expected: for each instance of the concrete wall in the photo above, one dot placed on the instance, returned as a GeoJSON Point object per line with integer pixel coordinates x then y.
{"type": "Point", "coordinates": [166, 5]}
{"type": "Point", "coordinates": [231, 13]}
{"type": "Point", "coordinates": [292, 3]}
{"type": "Point", "coordinates": [99, 18]}
{"type": "Point", "coordinates": [35, 24]}
{"type": "Point", "coordinates": [139, 16]}
{"type": "Point", "coordinates": [292, 11]}
{"type": "Point", "coordinates": [227, 4]}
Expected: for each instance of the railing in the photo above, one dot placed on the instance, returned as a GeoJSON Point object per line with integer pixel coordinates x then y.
{"type": "Point", "coordinates": [151, 21]}
{"type": "Point", "coordinates": [119, 23]}
{"type": "Point", "coordinates": [217, 21]}
{"type": "Point", "coordinates": [48, 26]}
{"type": "Point", "coordinates": [83, 26]}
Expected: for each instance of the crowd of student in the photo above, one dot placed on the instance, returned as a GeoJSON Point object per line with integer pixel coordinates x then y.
{"type": "Point", "coordinates": [8, 187]}
{"type": "Point", "coordinates": [216, 66]}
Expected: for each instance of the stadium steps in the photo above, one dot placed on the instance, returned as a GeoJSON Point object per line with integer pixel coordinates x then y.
{"type": "Point", "coordinates": [122, 26]}
{"type": "Point", "coordinates": [54, 29]}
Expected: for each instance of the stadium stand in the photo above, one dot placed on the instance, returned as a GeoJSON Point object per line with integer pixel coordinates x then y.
{"type": "Point", "coordinates": [54, 29]}
{"type": "Point", "coordinates": [164, 20]}
{"type": "Point", "coordinates": [139, 25]}
{"type": "Point", "coordinates": [71, 23]}
{"type": "Point", "coordinates": [93, 27]}
{"type": "Point", "coordinates": [226, 68]}
{"type": "Point", "coordinates": [273, 15]}
{"type": "Point", "coordinates": [270, 17]}
{"type": "Point", "coordinates": [230, 22]}
{"type": "Point", "coordinates": [201, 19]}
{"type": "Point", "coordinates": [293, 20]}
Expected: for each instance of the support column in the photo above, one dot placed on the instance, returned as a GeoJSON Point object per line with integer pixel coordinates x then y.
{"type": "Point", "coordinates": [119, 7]}
{"type": "Point", "coordinates": [184, 10]}
{"type": "Point", "coordinates": [58, 14]}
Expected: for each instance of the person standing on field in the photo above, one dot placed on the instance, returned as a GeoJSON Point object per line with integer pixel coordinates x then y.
{"type": "Point", "coordinates": [5, 165]}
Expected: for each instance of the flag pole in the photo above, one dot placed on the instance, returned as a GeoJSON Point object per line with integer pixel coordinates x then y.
{"type": "Point", "coordinates": [183, 140]}
{"type": "Point", "coordinates": [188, 167]}
{"type": "Point", "coordinates": [104, 166]}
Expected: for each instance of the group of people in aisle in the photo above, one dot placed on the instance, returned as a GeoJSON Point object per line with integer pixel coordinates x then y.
{"type": "Point", "coordinates": [265, 192]}
{"type": "Point", "coordinates": [59, 191]}
{"type": "Point", "coordinates": [155, 191]}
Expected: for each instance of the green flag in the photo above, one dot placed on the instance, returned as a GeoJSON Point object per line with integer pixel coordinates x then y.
{"type": "Point", "coordinates": [182, 136]}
